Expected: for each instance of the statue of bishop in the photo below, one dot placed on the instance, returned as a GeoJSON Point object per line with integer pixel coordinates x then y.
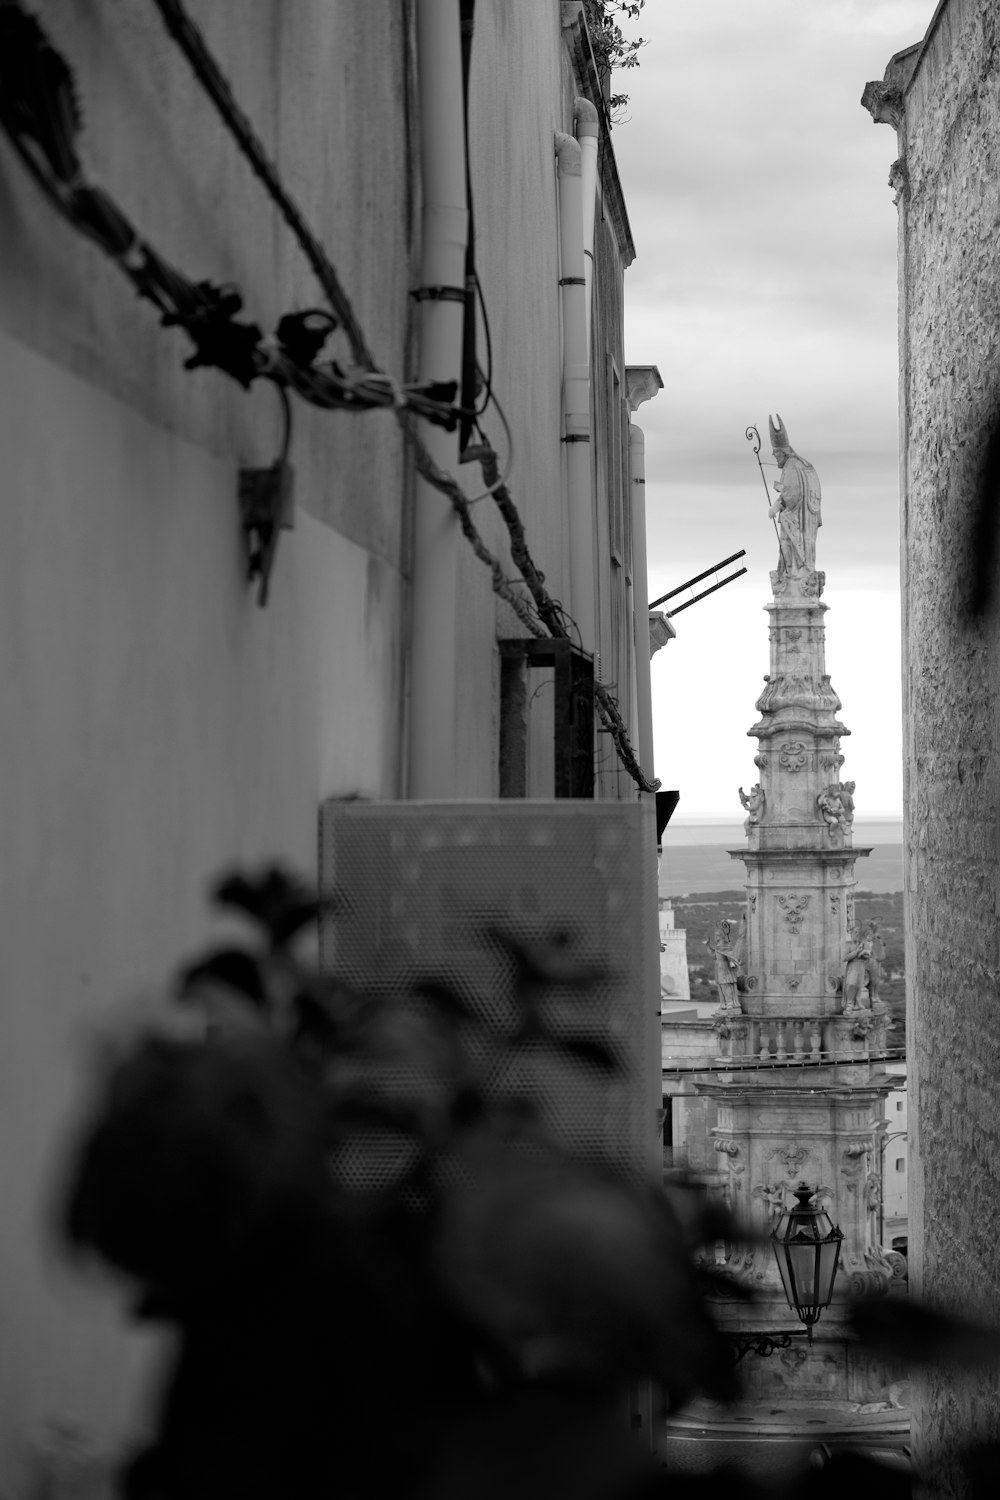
{"type": "Point", "coordinates": [797, 508]}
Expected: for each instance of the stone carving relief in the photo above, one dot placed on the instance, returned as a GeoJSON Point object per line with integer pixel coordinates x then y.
{"type": "Point", "coordinates": [835, 903]}
{"type": "Point", "coordinates": [813, 584]}
{"type": "Point", "coordinates": [753, 801]}
{"type": "Point", "coordinates": [793, 1359]}
{"type": "Point", "coordinates": [760, 760]}
{"type": "Point", "coordinates": [899, 179]}
{"type": "Point", "coordinates": [832, 763]}
{"type": "Point", "coordinates": [794, 908]}
{"type": "Point", "coordinates": [792, 755]}
{"type": "Point", "coordinates": [792, 1157]}
{"type": "Point", "coordinates": [793, 637]}
{"type": "Point", "coordinates": [884, 102]}
{"type": "Point", "coordinates": [753, 903]}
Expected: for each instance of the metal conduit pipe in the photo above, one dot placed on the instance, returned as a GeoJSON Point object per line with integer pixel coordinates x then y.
{"type": "Point", "coordinates": [437, 540]}
{"type": "Point", "coordinates": [640, 589]}
{"type": "Point", "coordinates": [587, 133]}
{"type": "Point", "coordinates": [576, 389]}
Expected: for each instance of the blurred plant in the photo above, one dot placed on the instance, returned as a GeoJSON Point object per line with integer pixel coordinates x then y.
{"type": "Point", "coordinates": [370, 1241]}
{"type": "Point", "coordinates": [389, 1276]}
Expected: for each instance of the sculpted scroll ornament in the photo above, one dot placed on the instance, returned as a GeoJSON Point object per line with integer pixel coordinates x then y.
{"type": "Point", "coordinates": [856, 1157]}
{"type": "Point", "coordinates": [792, 755]}
{"type": "Point", "coordinates": [792, 1156]}
{"type": "Point", "coordinates": [729, 1147]}
{"type": "Point", "coordinates": [794, 908]}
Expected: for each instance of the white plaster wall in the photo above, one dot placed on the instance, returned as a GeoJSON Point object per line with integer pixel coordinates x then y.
{"type": "Point", "coordinates": [156, 724]}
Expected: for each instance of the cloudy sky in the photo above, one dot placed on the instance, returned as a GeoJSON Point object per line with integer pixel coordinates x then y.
{"type": "Point", "coordinates": [765, 280]}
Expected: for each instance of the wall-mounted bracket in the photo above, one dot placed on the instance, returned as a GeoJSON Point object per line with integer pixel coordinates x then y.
{"type": "Point", "coordinates": [266, 509]}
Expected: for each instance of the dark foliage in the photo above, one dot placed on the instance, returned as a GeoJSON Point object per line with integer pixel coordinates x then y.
{"type": "Point", "coordinates": [389, 1279]}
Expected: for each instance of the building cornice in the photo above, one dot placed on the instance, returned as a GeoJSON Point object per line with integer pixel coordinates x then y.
{"type": "Point", "coordinates": [577, 38]}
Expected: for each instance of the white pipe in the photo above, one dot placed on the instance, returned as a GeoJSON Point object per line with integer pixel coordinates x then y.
{"type": "Point", "coordinates": [588, 133]}
{"type": "Point", "coordinates": [437, 541]}
{"type": "Point", "coordinates": [576, 390]}
{"type": "Point", "coordinates": [640, 596]}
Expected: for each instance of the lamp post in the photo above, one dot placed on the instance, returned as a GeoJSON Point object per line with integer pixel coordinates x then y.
{"type": "Point", "coordinates": [893, 1135]}
{"type": "Point", "coordinates": [806, 1245]}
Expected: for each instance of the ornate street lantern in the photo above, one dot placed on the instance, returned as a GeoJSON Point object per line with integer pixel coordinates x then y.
{"type": "Point", "coordinates": [807, 1248]}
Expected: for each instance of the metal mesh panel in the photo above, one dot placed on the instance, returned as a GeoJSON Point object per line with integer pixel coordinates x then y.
{"type": "Point", "coordinates": [420, 883]}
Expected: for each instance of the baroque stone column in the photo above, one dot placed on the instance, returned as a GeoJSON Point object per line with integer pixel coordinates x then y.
{"type": "Point", "coordinates": [800, 1079]}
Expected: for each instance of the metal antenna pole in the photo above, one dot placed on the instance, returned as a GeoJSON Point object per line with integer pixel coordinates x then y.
{"type": "Point", "coordinates": [752, 433]}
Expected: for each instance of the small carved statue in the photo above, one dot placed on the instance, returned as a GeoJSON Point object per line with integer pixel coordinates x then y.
{"type": "Point", "coordinates": [836, 805]}
{"type": "Point", "coordinates": [876, 949]}
{"type": "Point", "coordinates": [753, 801]}
{"type": "Point", "coordinates": [774, 1201]}
{"type": "Point", "coordinates": [830, 806]}
{"type": "Point", "coordinates": [728, 943]}
{"type": "Point", "coordinates": [873, 1193]}
{"type": "Point", "coordinates": [847, 799]}
{"type": "Point", "coordinates": [856, 969]}
{"type": "Point", "coordinates": [797, 508]}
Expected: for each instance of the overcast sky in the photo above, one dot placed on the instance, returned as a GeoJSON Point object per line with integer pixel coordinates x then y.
{"type": "Point", "coordinates": [765, 281]}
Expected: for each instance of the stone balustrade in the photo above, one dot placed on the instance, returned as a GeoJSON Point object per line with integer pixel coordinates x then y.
{"type": "Point", "coordinates": [859, 1035]}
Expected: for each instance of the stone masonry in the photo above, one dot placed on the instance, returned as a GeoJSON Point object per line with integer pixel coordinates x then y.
{"type": "Point", "coordinates": [943, 100]}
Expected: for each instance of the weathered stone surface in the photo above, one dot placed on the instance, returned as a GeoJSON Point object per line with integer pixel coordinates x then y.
{"type": "Point", "coordinates": [949, 301]}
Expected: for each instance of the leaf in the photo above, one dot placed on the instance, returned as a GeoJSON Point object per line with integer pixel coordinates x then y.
{"type": "Point", "coordinates": [591, 1050]}
{"type": "Point", "coordinates": [914, 1332]}
{"type": "Point", "coordinates": [234, 969]}
{"type": "Point", "coordinates": [274, 900]}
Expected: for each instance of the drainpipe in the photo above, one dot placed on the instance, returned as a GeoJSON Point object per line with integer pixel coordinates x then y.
{"type": "Point", "coordinates": [587, 133]}
{"type": "Point", "coordinates": [640, 594]}
{"type": "Point", "coordinates": [576, 389]}
{"type": "Point", "coordinates": [436, 538]}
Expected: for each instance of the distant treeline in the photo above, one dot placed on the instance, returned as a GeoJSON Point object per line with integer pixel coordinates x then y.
{"type": "Point", "coordinates": [699, 913]}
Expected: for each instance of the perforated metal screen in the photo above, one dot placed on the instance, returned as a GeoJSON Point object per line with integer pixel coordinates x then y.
{"type": "Point", "coordinates": [420, 883]}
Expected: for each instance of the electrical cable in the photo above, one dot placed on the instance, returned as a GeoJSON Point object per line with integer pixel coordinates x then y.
{"type": "Point", "coordinates": [39, 111]}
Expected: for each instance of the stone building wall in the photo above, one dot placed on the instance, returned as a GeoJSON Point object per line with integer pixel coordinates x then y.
{"type": "Point", "coordinates": [944, 99]}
